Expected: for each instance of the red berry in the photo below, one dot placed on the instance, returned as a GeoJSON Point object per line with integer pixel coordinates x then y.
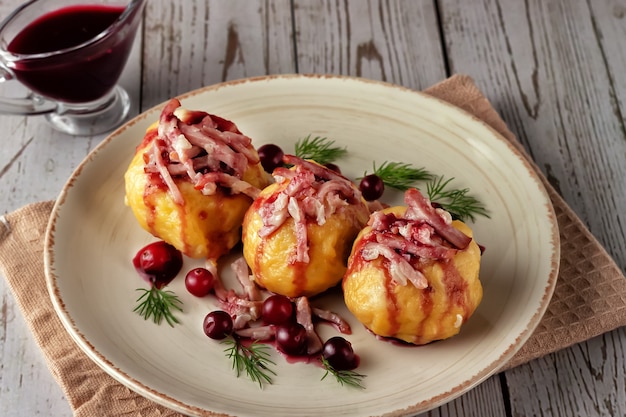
{"type": "Point", "coordinates": [277, 309]}
{"type": "Point", "coordinates": [158, 263]}
{"type": "Point", "coordinates": [199, 281]}
{"type": "Point", "coordinates": [333, 167]}
{"type": "Point", "coordinates": [372, 187]}
{"type": "Point", "coordinates": [339, 354]}
{"type": "Point", "coordinates": [218, 324]}
{"type": "Point", "coordinates": [271, 157]}
{"type": "Point", "coordinates": [291, 339]}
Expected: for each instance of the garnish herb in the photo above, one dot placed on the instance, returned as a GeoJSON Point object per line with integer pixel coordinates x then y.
{"type": "Point", "coordinates": [400, 176]}
{"type": "Point", "coordinates": [158, 304]}
{"type": "Point", "coordinates": [459, 203]}
{"type": "Point", "coordinates": [349, 378]}
{"type": "Point", "coordinates": [253, 359]}
{"type": "Point", "coordinates": [319, 149]}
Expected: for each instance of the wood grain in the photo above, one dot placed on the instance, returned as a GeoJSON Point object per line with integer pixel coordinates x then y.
{"type": "Point", "coordinates": [379, 40]}
{"type": "Point", "coordinates": [394, 41]}
{"type": "Point", "coordinates": [554, 71]}
{"type": "Point", "coordinates": [548, 68]}
{"type": "Point", "coordinates": [35, 163]}
{"type": "Point", "coordinates": [526, 57]}
{"type": "Point", "coordinates": [200, 43]}
{"type": "Point", "coordinates": [26, 385]}
{"type": "Point", "coordinates": [588, 379]}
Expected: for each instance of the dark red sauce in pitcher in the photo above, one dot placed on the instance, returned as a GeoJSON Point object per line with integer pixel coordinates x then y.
{"type": "Point", "coordinates": [80, 74]}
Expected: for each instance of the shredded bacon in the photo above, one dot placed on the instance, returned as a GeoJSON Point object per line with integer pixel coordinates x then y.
{"type": "Point", "coordinates": [157, 158]}
{"type": "Point", "coordinates": [242, 272]}
{"type": "Point", "coordinates": [242, 308]}
{"type": "Point", "coordinates": [305, 318]}
{"type": "Point", "coordinates": [245, 309]}
{"type": "Point", "coordinates": [262, 333]}
{"type": "Point", "coordinates": [420, 209]}
{"type": "Point", "coordinates": [208, 150]}
{"type": "Point", "coordinates": [274, 215]}
{"type": "Point", "coordinates": [400, 268]}
{"type": "Point", "coordinates": [342, 325]}
{"type": "Point", "coordinates": [313, 193]}
{"type": "Point", "coordinates": [422, 235]}
{"type": "Point", "coordinates": [407, 244]}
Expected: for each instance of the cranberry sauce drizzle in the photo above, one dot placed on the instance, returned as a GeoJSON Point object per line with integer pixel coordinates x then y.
{"type": "Point", "coordinates": [392, 305]}
{"type": "Point", "coordinates": [258, 256]}
{"type": "Point", "coordinates": [456, 287]}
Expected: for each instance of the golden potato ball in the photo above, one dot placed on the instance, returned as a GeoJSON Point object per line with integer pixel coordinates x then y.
{"type": "Point", "coordinates": [206, 226]}
{"type": "Point", "coordinates": [329, 247]}
{"type": "Point", "coordinates": [404, 312]}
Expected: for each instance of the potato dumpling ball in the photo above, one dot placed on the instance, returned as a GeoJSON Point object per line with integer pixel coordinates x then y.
{"type": "Point", "coordinates": [413, 273]}
{"type": "Point", "coordinates": [191, 181]}
{"type": "Point", "coordinates": [298, 233]}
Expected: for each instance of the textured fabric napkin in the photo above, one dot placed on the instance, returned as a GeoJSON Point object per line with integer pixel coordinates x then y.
{"type": "Point", "coordinates": [590, 295]}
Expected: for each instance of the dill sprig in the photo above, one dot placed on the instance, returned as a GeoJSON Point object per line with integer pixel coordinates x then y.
{"type": "Point", "coordinates": [349, 378]}
{"type": "Point", "coordinates": [253, 359]}
{"type": "Point", "coordinates": [158, 304]}
{"type": "Point", "coordinates": [458, 202]}
{"type": "Point", "coordinates": [319, 149]}
{"type": "Point", "coordinates": [399, 175]}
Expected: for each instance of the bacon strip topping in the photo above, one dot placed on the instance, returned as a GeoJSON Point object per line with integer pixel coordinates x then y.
{"type": "Point", "coordinates": [424, 234]}
{"type": "Point", "coordinates": [205, 148]}
{"type": "Point", "coordinates": [312, 194]}
{"type": "Point", "coordinates": [420, 209]}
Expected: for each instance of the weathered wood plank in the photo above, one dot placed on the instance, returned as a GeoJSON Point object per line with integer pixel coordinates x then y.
{"type": "Point", "coordinates": [552, 69]}
{"type": "Point", "coordinates": [26, 385]}
{"type": "Point", "coordinates": [576, 381]}
{"type": "Point", "coordinates": [35, 162]}
{"type": "Point", "coordinates": [526, 57]}
{"type": "Point", "coordinates": [395, 41]}
{"type": "Point", "coordinates": [484, 400]}
{"type": "Point", "coordinates": [199, 43]}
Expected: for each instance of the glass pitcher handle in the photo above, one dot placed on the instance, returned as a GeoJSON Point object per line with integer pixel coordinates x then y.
{"type": "Point", "coordinates": [26, 106]}
{"type": "Point", "coordinates": [29, 105]}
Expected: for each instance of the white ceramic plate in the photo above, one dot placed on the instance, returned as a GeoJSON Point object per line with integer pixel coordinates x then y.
{"type": "Point", "coordinates": [92, 237]}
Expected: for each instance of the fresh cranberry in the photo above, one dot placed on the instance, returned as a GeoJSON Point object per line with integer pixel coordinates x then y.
{"type": "Point", "coordinates": [333, 167]}
{"type": "Point", "coordinates": [339, 354]}
{"type": "Point", "coordinates": [291, 339]}
{"type": "Point", "coordinates": [199, 281]}
{"type": "Point", "coordinates": [218, 324]}
{"type": "Point", "coordinates": [277, 309]}
{"type": "Point", "coordinates": [372, 187]}
{"type": "Point", "coordinates": [158, 263]}
{"type": "Point", "coordinates": [271, 157]}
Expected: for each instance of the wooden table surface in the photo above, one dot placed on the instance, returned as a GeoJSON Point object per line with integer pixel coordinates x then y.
{"type": "Point", "coordinates": [554, 70]}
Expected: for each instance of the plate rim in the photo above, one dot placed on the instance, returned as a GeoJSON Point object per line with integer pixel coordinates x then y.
{"type": "Point", "coordinates": [175, 404]}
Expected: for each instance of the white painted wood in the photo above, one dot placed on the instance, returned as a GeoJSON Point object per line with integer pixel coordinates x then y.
{"type": "Point", "coordinates": [395, 41]}
{"type": "Point", "coordinates": [588, 379]}
{"type": "Point", "coordinates": [27, 387]}
{"type": "Point", "coordinates": [192, 44]}
{"type": "Point", "coordinates": [35, 162]}
{"type": "Point", "coordinates": [552, 69]}
{"type": "Point", "coordinates": [544, 67]}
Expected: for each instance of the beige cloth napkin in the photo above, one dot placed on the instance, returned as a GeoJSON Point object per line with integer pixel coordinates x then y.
{"type": "Point", "coordinates": [590, 295]}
